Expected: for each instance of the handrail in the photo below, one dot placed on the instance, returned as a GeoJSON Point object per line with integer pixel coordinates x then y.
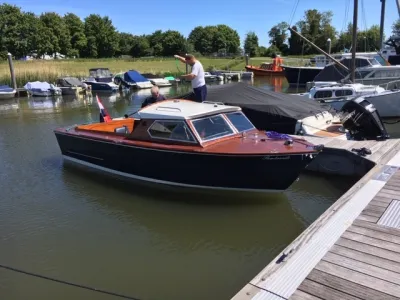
{"type": "Point", "coordinates": [213, 102]}
{"type": "Point", "coordinates": [168, 107]}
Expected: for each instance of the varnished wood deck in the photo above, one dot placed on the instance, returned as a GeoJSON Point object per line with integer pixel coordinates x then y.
{"type": "Point", "coordinates": [352, 251]}
{"type": "Point", "coordinates": [365, 262]}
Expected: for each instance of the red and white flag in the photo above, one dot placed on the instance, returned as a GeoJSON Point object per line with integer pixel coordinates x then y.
{"type": "Point", "coordinates": [104, 116]}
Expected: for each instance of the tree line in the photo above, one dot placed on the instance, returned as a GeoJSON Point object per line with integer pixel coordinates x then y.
{"type": "Point", "coordinates": [316, 27]}
{"type": "Point", "coordinates": [24, 33]}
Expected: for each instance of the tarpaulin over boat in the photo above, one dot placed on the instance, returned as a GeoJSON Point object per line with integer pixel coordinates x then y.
{"type": "Point", "coordinates": [69, 81]}
{"type": "Point", "coordinates": [134, 77]}
{"type": "Point", "coordinates": [267, 110]}
{"type": "Point", "coordinates": [333, 72]}
{"type": "Point", "coordinates": [38, 85]}
{"type": "Point", "coordinates": [6, 88]}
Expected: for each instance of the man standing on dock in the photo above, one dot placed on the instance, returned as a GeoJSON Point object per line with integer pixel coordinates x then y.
{"type": "Point", "coordinates": [196, 76]}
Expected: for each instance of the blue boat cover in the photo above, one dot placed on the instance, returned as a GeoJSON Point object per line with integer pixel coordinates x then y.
{"type": "Point", "coordinates": [133, 76]}
{"type": "Point", "coordinates": [38, 85]}
{"type": "Point", "coordinates": [5, 88]}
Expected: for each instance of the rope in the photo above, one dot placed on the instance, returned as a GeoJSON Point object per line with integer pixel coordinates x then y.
{"type": "Point", "coordinates": [67, 282]}
{"type": "Point", "coordinates": [177, 66]}
{"type": "Point", "coordinates": [293, 12]}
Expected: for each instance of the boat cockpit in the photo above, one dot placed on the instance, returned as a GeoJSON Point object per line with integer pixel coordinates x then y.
{"type": "Point", "coordinates": [169, 124]}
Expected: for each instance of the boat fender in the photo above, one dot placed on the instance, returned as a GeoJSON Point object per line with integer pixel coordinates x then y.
{"type": "Point", "coordinates": [362, 151]}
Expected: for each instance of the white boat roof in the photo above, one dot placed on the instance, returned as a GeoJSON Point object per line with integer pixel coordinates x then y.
{"type": "Point", "coordinates": [183, 110]}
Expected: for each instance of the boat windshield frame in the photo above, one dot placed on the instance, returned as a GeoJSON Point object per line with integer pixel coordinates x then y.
{"type": "Point", "coordinates": [233, 130]}
{"type": "Point", "coordinates": [240, 112]}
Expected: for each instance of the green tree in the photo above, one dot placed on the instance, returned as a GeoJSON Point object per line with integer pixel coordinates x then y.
{"type": "Point", "coordinates": [173, 42]}
{"type": "Point", "coordinates": [396, 27]}
{"type": "Point", "coordinates": [263, 51]}
{"type": "Point", "coordinates": [295, 43]}
{"type": "Point", "coordinates": [59, 33]}
{"type": "Point", "coordinates": [212, 39]}
{"type": "Point", "coordinates": [278, 35]}
{"type": "Point", "coordinates": [251, 44]}
{"type": "Point", "coordinates": [76, 29]}
{"type": "Point", "coordinates": [10, 25]}
{"type": "Point", "coordinates": [126, 41]}
{"type": "Point", "coordinates": [141, 46]}
{"type": "Point", "coordinates": [156, 42]}
{"type": "Point", "coordinates": [102, 37]}
{"type": "Point", "coordinates": [316, 26]}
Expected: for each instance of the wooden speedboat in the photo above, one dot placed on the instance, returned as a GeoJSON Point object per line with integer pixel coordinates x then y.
{"type": "Point", "coordinates": [265, 69]}
{"type": "Point", "coordinates": [189, 144]}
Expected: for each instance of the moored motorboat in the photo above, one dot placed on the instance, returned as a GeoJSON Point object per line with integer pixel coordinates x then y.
{"type": "Point", "coordinates": [72, 86]}
{"type": "Point", "coordinates": [265, 69]}
{"type": "Point", "coordinates": [42, 89]}
{"type": "Point", "coordinates": [6, 92]}
{"type": "Point", "coordinates": [189, 144]}
{"type": "Point", "coordinates": [97, 86]}
{"type": "Point", "coordinates": [132, 79]}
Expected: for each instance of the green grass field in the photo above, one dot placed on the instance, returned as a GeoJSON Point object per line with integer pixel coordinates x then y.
{"type": "Point", "coordinates": [50, 70]}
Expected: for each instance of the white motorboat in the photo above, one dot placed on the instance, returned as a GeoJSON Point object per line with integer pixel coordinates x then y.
{"type": "Point", "coordinates": [6, 92]}
{"type": "Point", "coordinates": [42, 89]}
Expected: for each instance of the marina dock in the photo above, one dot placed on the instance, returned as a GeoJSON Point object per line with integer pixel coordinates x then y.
{"type": "Point", "coordinates": [352, 251]}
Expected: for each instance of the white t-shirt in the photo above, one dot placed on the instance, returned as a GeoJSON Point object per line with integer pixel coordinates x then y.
{"type": "Point", "coordinates": [199, 80]}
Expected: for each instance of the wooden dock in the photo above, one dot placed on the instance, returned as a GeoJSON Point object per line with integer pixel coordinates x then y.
{"type": "Point", "coordinates": [352, 251]}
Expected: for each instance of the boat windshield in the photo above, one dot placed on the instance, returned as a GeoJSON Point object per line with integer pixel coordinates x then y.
{"type": "Point", "coordinates": [239, 120]}
{"type": "Point", "coordinates": [212, 127]}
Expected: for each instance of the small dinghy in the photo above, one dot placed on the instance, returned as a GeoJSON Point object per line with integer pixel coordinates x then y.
{"type": "Point", "coordinates": [72, 86]}
{"type": "Point", "coordinates": [42, 89]}
{"type": "Point", "coordinates": [6, 92]}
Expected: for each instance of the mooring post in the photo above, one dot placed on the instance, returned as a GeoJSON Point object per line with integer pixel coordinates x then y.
{"type": "Point", "coordinates": [247, 59]}
{"type": "Point", "coordinates": [10, 63]}
{"type": "Point", "coordinates": [187, 66]}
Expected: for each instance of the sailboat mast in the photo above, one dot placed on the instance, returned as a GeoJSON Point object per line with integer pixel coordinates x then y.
{"type": "Point", "coordinates": [354, 42]}
{"type": "Point", "coordinates": [382, 22]}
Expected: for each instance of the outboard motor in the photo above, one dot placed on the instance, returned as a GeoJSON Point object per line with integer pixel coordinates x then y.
{"type": "Point", "coordinates": [362, 120]}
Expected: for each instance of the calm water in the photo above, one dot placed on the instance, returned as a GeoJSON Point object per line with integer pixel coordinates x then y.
{"type": "Point", "coordinates": [146, 241]}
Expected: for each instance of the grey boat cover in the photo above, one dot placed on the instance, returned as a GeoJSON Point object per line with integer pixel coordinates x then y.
{"type": "Point", "coordinates": [266, 109]}
{"type": "Point", "coordinates": [333, 72]}
{"type": "Point", "coordinates": [69, 81]}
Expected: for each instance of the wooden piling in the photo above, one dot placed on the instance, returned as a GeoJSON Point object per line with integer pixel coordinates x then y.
{"type": "Point", "coordinates": [12, 73]}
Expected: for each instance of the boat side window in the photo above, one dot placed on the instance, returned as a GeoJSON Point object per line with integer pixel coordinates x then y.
{"type": "Point", "coordinates": [362, 74]}
{"type": "Point", "coordinates": [171, 130]}
{"type": "Point", "coordinates": [323, 94]}
{"type": "Point", "coordinates": [212, 127]}
{"type": "Point", "coordinates": [239, 120]}
{"type": "Point", "coordinates": [341, 93]}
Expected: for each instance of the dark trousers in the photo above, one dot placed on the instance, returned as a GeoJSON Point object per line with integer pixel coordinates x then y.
{"type": "Point", "coordinates": [200, 93]}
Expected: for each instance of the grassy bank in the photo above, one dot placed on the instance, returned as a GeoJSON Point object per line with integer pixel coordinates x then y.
{"type": "Point", "coordinates": [50, 70]}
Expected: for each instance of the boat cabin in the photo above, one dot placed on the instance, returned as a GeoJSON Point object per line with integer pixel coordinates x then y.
{"type": "Point", "coordinates": [376, 74]}
{"type": "Point", "coordinates": [341, 91]}
{"type": "Point", "coordinates": [178, 122]}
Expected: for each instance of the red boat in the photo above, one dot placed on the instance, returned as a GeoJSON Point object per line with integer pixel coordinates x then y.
{"type": "Point", "coordinates": [189, 144]}
{"type": "Point", "coordinates": [266, 69]}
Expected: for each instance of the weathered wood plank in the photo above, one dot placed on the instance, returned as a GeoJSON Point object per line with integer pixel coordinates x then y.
{"type": "Point", "coordinates": [383, 199]}
{"type": "Point", "coordinates": [367, 218]}
{"type": "Point", "coordinates": [376, 251]}
{"type": "Point", "coordinates": [376, 227]}
{"type": "Point", "coordinates": [359, 278]}
{"type": "Point", "coordinates": [299, 295]}
{"type": "Point", "coordinates": [367, 258]}
{"type": "Point", "coordinates": [387, 195]}
{"type": "Point", "coordinates": [348, 287]}
{"type": "Point", "coordinates": [390, 192]}
{"type": "Point", "coordinates": [375, 208]}
{"type": "Point", "coordinates": [362, 267]}
{"type": "Point", "coordinates": [392, 186]}
{"type": "Point", "coordinates": [371, 213]}
{"type": "Point", "coordinates": [379, 203]}
{"type": "Point", "coordinates": [371, 241]}
{"type": "Point", "coordinates": [323, 291]}
{"type": "Point", "coordinates": [375, 234]}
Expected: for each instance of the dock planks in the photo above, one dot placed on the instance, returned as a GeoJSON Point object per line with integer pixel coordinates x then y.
{"type": "Point", "coordinates": [358, 258]}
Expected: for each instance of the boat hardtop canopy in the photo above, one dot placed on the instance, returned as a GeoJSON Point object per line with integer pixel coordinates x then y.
{"type": "Point", "coordinates": [175, 109]}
